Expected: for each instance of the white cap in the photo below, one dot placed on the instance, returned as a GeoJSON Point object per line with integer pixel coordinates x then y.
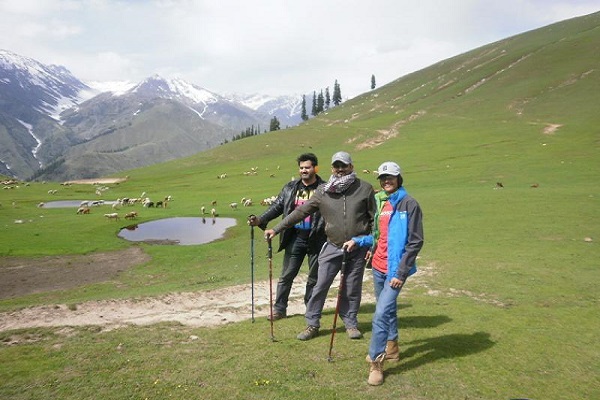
{"type": "Point", "coordinates": [389, 168]}
{"type": "Point", "coordinates": [341, 156]}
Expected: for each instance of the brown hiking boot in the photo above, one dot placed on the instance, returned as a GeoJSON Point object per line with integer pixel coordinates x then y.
{"type": "Point", "coordinates": [308, 333]}
{"type": "Point", "coordinates": [376, 370]}
{"type": "Point", "coordinates": [392, 351]}
{"type": "Point", "coordinates": [354, 333]}
{"type": "Point", "coordinates": [276, 316]}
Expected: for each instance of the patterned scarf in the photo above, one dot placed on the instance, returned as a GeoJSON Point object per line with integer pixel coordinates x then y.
{"type": "Point", "coordinates": [339, 184]}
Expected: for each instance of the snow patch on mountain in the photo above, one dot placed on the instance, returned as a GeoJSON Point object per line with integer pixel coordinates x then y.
{"type": "Point", "coordinates": [29, 128]}
{"type": "Point", "coordinates": [191, 91]}
{"type": "Point", "coordinates": [117, 88]}
{"type": "Point", "coordinates": [268, 104]}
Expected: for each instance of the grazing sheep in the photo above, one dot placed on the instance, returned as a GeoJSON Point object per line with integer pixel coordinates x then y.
{"type": "Point", "coordinates": [114, 216]}
{"type": "Point", "coordinates": [233, 206]}
{"type": "Point", "coordinates": [213, 212]}
{"type": "Point", "coordinates": [131, 215]}
{"type": "Point", "coordinates": [42, 204]}
{"type": "Point", "coordinates": [247, 202]}
{"type": "Point", "coordinates": [268, 201]}
{"type": "Point", "coordinates": [203, 210]}
{"type": "Point", "coordinates": [213, 203]}
{"type": "Point", "coordinates": [499, 185]}
{"type": "Point", "coordinates": [159, 204]}
{"type": "Point", "coordinates": [83, 210]}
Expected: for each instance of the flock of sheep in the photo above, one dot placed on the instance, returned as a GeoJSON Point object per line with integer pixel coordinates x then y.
{"type": "Point", "coordinates": [85, 206]}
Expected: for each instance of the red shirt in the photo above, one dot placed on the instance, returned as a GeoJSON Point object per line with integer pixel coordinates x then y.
{"type": "Point", "coordinates": [380, 257]}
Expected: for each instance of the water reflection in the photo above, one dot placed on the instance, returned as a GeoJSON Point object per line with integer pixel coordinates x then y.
{"type": "Point", "coordinates": [75, 203]}
{"type": "Point", "coordinates": [180, 230]}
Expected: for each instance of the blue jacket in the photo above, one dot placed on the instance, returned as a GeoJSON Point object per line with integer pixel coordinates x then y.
{"type": "Point", "coordinates": [405, 233]}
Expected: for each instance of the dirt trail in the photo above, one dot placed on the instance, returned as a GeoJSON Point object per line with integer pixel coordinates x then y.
{"type": "Point", "coordinates": [198, 309]}
{"type": "Point", "coordinates": [211, 308]}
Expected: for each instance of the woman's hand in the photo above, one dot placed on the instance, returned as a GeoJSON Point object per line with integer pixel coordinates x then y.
{"type": "Point", "coordinates": [396, 283]}
{"type": "Point", "coordinates": [349, 245]}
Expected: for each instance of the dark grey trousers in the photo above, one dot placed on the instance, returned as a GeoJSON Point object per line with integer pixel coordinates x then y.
{"type": "Point", "coordinates": [330, 263]}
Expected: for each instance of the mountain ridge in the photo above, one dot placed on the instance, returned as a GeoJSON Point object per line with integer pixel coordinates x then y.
{"type": "Point", "coordinates": [47, 115]}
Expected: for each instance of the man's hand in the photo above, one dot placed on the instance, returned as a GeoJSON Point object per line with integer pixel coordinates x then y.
{"type": "Point", "coordinates": [253, 220]}
{"type": "Point", "coordinates": [270, 234]}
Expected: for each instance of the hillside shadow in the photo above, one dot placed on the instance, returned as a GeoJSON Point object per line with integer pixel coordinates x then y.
{"type": "Point", "coordinates": [421, 352]}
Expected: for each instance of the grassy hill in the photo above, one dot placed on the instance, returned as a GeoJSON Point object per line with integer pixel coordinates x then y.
{"type": "Point", "coordinates": [509, 305]}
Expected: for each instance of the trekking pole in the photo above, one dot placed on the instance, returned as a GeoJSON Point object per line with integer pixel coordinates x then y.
{"type": "Point", "coordinates": [337, 305]}
{"type": "Point", "coordinates": [271, 286]}
{"type": "Point", "coordinates": [252, 267]}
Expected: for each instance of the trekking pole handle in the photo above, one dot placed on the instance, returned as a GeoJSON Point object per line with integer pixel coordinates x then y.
{"type": "Point", "coordinates": [270, 247]}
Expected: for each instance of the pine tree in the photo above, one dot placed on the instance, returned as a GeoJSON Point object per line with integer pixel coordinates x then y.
{"type": "Point", "coordinates": [337, 93]}
{"type": "Point", "coordinates": [314, 111]}
{"type": "Point", "coordinates": [372, 82]}
{"type": "Point", "coordinates": [320, 102]}
{"type": "Point", "coordinates": [304, 115]}
{"type": "Point", "coordinates": [274, 126]}
{"type": "Point", "coordinates": [327, 98]}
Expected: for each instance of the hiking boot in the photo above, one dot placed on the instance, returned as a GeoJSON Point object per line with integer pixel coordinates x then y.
{"type": "Point", "coordinates": [308, 333]}
{"type": "Point", "coordinates": [376, 370]}
{"type": "Point", "coordinates": [276, 316]}
{"type": "Point", "coordinates": [354, 333]}
{"type": "Point", "coordinates": [392, 351]}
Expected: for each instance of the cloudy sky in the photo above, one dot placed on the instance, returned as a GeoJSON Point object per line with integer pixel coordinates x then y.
{"type": "Point", "coordinates": [265, 46]}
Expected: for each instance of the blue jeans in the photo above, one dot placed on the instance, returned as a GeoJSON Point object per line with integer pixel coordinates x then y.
{"type": "Point", "coordinates": [385, 319]}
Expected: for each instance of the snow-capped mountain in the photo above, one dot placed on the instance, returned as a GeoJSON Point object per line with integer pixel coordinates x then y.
{"type": "Point", "coordinates": [49, 89]}
{"type": "Point", "coordinates": [57, 126]}
{"type": "Point", "coordinates": [287, 109]}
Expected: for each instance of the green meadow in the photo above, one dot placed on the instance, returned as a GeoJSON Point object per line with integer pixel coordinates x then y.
{"type": "Point", "coordinates": [504, 306]}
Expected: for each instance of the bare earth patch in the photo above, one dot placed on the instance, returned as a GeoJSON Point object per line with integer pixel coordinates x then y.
{"type": "Point", "coordinates": [23, 276]}
{"type": "Point", "coordinates": [96, 181]}
{"type": "Point", "coordinates": [550, 129]}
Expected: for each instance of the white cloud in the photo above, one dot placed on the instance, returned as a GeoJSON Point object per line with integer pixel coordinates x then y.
{"type": "Point", "coordinates": [267, 46]}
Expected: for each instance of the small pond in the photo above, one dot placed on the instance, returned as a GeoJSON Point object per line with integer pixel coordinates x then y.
{"type": "Point", "coordinates": [179, 230]}
{"type": "Point", "coordinates": [73, 203]}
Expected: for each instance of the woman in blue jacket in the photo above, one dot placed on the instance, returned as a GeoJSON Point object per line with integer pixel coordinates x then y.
{"type": "Point", "coordinates": [397, 238]}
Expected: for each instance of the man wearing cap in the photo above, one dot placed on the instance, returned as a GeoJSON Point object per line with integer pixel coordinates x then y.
{"type": "Point", "coordinates": [347, 205]}
{"type": "Point", "coordinates": [397, 238]}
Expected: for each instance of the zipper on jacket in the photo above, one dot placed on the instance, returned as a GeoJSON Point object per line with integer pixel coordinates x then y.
{"type": "Point", "coordinates": [345, 224]}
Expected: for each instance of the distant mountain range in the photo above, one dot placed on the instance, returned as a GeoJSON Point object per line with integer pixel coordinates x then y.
{"type": "Point", "coordinates": [56, 127]}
